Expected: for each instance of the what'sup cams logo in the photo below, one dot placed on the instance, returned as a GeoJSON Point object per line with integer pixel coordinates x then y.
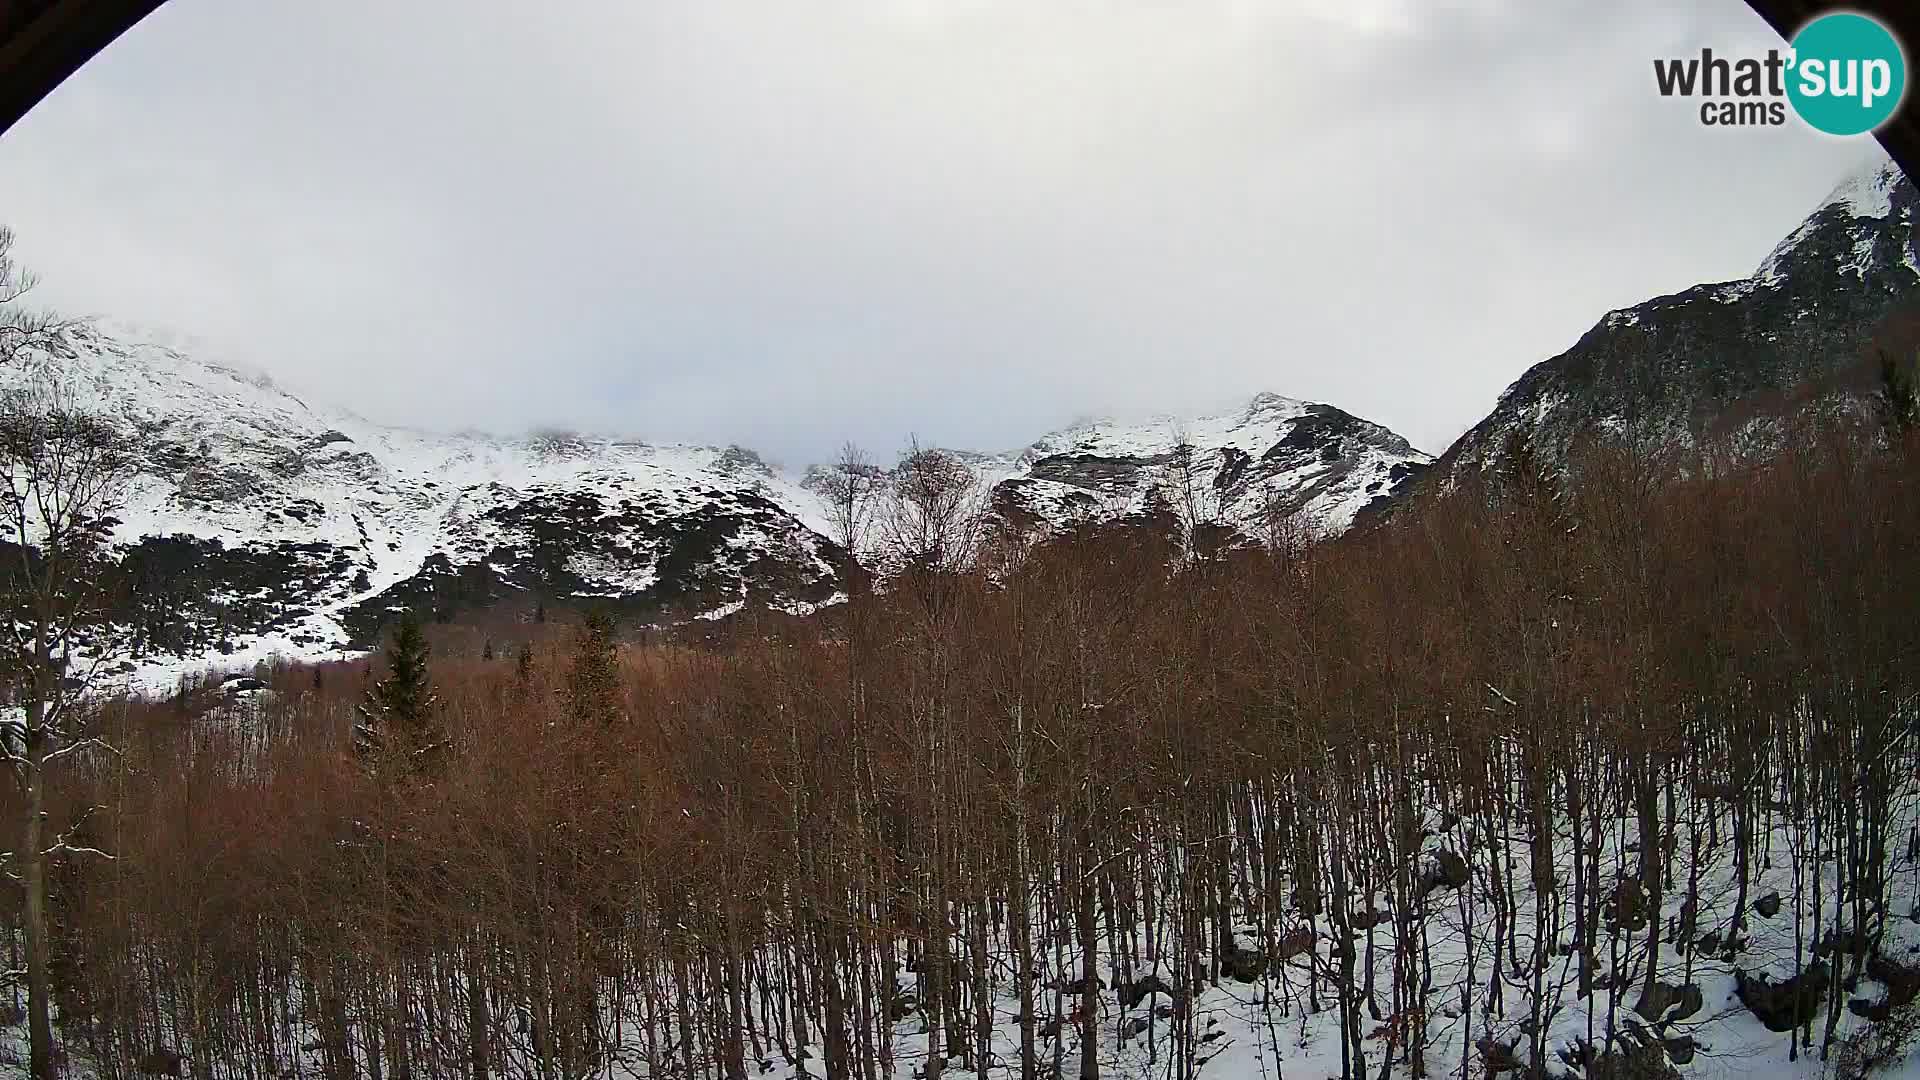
{"type": "Point", "coordinates": [1844, 74]}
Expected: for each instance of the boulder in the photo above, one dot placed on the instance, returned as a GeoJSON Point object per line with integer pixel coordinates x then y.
{"type": "Point", "coordinates": [1298, 943]}
{"type": "Point", "coordinates": [1139, 990]}
{"type": "Point", "coordinates": [1785, 1005]}
{"type": "Point", "coordinates": [1243, 965]}
{"type": "Point", "coordinates": [1079, 985]}
{"type": "Point", "coordinates": [1368, 918]}
{"type": "Point", "coordinates": [1842, 940]}
{"type": "Point", "coordinates": [160, 1062]}
{"type": "Point", "coordinates": [1498, 1057]}
{"type": "Point", "coordinates": [1626, 906]}
{"type": "Point", "coordinates": [1636, 1059]}
{"type": "Point", "coordinates": [1902, 980]}
{"type": "Point", "coordinates": [1444, 869]}
{"type": "Point", "coordinates": [1869, 1009]}
{"type": "Point", "coordinates": [1684, 1000]}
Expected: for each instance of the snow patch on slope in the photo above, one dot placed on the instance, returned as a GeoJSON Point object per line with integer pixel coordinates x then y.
{"type": "Point", "coordinates": [1865, 194]}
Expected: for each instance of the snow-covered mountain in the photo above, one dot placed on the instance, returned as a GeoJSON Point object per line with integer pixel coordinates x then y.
{"type": "Point", "coordinates": [262, 523]}
{"type": "Point", "coordinates": [1297, 460]}
{"type": "Point", "coordinates": [1730, 362]}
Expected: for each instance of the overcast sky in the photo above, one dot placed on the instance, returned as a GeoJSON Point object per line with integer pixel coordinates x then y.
{"type": "Point", "coordinates": [789, 224]}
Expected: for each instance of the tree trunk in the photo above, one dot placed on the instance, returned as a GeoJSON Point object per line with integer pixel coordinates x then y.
{"type": "Point", "coordinates": [1089, 964]}
{"type": "Point", "coordinates": [39, 986]}
{"type": "Point", "coordinates": [476, 1009]}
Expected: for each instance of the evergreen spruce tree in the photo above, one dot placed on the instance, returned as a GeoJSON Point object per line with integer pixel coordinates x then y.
{"type": "Point", "coordinates": [398, 726]}
{"type": "Point", "coordinates": [486, 651]}
{"type": "Point", "coordinates": [1900, 391]}
{"type": "Point", "coordinates": [523, 669]}
{"type": "Point", "coordinates": [593, 686]}
{"type": "Point", "coordinates": [1523, 475]}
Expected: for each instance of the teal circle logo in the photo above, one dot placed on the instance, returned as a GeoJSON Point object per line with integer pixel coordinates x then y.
{"type": "Point", "coordinates": [1848, 75]}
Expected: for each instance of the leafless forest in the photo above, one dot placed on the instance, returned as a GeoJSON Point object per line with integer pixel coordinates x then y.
{"type": "Point", "coordinates": [1517, 785]}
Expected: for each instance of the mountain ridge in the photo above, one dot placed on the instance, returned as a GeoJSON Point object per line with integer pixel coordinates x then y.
{"type": "Point", "coordinates": [263, 523]}
{"type": "Point", "coordinates": [1725, 363]}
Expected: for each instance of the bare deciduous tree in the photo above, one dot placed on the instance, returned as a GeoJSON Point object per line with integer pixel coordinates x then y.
{"type": "Point", "coordinates": [62, 469]}
{"type": "Point", "coordinates": [26, 333]}
{"type": "Point", "coordinates": [1195, 505]}
{"type": "Point", "coordinates": [850, 486]}
{"type": "Point", "coordinates": [935, 516]}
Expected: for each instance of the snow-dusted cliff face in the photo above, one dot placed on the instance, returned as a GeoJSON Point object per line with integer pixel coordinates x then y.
{"type": "Point", "coordinates": [1276, 458]}
{"type": "Point", "coordinates": [262, 523]}
{"type": "Point", "coordinates": [1729, 362]}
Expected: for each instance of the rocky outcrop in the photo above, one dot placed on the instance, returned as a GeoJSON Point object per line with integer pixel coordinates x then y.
{"type": "Point", "coordinates": [1733, 363]}
{"type": "Point", "coordinates": [1783, 1005]}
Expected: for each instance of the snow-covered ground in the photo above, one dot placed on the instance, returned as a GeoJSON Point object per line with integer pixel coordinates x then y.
{"type": "Point", "coordinates": [1266, 1026]}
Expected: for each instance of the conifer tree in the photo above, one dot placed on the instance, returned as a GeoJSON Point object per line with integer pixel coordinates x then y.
{"type": "Point", "coordinates": [593, 686]}
{"type": "Point", "coordinates": [397, 722]}
{"type": "Point", "coordinates": [1900, 391]}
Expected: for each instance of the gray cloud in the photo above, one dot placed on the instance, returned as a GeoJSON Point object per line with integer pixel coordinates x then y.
{"type": "Point", "coordinates": [787, 225]}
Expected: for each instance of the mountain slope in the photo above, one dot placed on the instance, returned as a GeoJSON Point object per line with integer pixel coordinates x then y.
{"type": "Point", "coordinates": [1729, 362]}
{"type": "Point", "coordinates": [1277, 457]}
{"type": "Point", "coordinates": [260, 523]}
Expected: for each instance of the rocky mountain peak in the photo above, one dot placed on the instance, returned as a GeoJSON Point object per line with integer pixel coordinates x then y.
{"type": "Point", "coordinates": [1727, 362]}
